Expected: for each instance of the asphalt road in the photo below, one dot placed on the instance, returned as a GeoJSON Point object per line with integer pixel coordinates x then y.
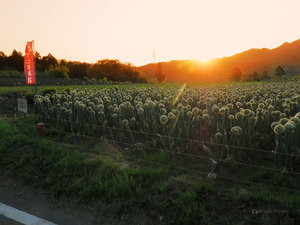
{"type": "Point", "coordinates": [6, 221]}
{"type": "Point", "coordinates": [39, 205]}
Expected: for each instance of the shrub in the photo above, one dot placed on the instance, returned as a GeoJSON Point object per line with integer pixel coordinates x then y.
{"type": "Point", "coordinates": [29, 97]}
{"type": "Point", "coordinates": [58, 71]}
{"type": "Point", "coordinates": [68, 90]}
{"type": "Point", "coordinates": [49, 91]}
{"type": "Point", "coordinates": [11, 73]}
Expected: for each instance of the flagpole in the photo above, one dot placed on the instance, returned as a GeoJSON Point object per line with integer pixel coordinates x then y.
{"type": "Point", "coordinates": [36, 89]}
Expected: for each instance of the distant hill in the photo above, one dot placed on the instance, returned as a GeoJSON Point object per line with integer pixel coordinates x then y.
{"type": "Point", "coordinates": [286, 55]}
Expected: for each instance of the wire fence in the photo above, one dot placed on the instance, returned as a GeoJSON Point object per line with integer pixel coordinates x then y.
{"type": "Point", "coordinates": [180, 138]}
{"type": "Point", "coordinates": [187, 170]}
{"type": "Point", "coordinates": [182, 153]}
{"type": "Point", "coordinates": [185, 154]}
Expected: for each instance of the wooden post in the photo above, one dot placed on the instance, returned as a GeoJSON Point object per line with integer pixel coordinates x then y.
{"type": "Point", "coordinates": [15, 121]}
{"type": "Point", "coordinates": [35, 87]}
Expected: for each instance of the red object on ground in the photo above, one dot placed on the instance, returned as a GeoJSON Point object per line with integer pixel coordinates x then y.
{"type": "Point", "coordinates": [41, 128]}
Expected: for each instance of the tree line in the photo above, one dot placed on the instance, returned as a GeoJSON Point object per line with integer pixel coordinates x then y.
{"type": "Point", "coordinates": [236, 74]}
{"type": "Point", "coordinates": [107, 69]}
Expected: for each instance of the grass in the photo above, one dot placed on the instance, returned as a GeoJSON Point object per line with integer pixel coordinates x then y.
{"type": "Point", "coordinates": [148, 182]}
{"type": "Point", "coordinates": [65, 172]}
{"type": "Point", "coordinates": [5, 90]}
{"type": "Point", "coordinates": [60, 88]}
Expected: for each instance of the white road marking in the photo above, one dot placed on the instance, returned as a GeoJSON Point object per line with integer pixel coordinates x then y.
{"type": "Point", "coordinates": [22, 217]}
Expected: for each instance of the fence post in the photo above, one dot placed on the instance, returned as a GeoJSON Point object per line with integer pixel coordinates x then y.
{"type": "Point", "coordinates": [15, 121]}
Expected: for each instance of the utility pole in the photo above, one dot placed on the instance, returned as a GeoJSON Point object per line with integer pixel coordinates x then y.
{"type": "Point", "coordinates": [154, 56]}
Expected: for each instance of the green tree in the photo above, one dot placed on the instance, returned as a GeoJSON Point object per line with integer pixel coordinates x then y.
{"type": "Point", "coordinates": [38, 58]}
{"type": "Point", "coordinates": [3, 61]}
{"type": "Point", "coordinates": [16, 61]}
{"type": "Point", "coordinates": [236, 74]}
{"type": "Point", "coordinates": [47, 61]}
{"type": "Point", "coordinates": [279, 71]}
{"type": "Point", "coordinates": [63, 62]}
{"type": "Point", "coordinates": [113, 70]}
{"type": "Point", "coordinates": [158, 74]}
{"type": "Point", "coordinates": [255, 76]}
{"type": "Point", "coordinates": [265, 75]}
{"type": "Point", "coordinates": [58, 71]}
{"type": "Point", "coordinates": [78, 70]}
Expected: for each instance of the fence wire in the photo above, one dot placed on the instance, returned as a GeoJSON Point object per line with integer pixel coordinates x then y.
{"type": "Point", "coordinates": [180, 138]}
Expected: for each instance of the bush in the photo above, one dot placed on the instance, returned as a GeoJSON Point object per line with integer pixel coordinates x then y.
{"type": "Point", "coordinates": [29, 97]}
{"type": "Point", "coordinates": [41, 74]}
{"type": "Point", "coordinates": [104, 81]}
{"type": "Point", "coordinates": [49, 91]}
{"type": "Point", "coordinates": [58, 71]}
{"type": "Point", "coordinates": [68, 90]}
{"type": "Point", "coordinates": [11, 73]}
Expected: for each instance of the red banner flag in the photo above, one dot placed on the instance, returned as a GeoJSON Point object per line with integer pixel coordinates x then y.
{"type": "Point", "coordinates": [29, 63]}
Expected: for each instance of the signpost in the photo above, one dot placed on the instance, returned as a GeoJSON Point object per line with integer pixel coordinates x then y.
{"type": "Point", "coordinates": [29, 72]}
{"type": "Point", "coordinates": [22, 105]}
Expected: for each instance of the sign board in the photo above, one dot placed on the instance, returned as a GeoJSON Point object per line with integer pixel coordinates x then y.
{"type": "Point", "coordinates": [22, 105]}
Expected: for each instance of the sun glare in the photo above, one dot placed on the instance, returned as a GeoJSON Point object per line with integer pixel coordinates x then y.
{"type": "Point", "coordinates": [204, 60]}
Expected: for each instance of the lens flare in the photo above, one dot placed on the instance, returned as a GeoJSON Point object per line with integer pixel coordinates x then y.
{"type": "Point", "coordinates": [179, 94]}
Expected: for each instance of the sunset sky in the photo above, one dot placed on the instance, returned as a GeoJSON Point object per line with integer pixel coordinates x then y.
{"type": "Point", "coordinates": [129, 30]}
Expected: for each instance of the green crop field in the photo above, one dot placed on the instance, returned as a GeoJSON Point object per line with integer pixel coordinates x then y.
{"type": "Point", "coordinates": [228, 116]}
{"type": "Point", "coordinates": [174, 150]}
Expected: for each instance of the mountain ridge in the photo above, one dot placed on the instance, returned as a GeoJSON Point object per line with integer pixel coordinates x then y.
{"type": "Point", "coordinates": [287, 55]}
